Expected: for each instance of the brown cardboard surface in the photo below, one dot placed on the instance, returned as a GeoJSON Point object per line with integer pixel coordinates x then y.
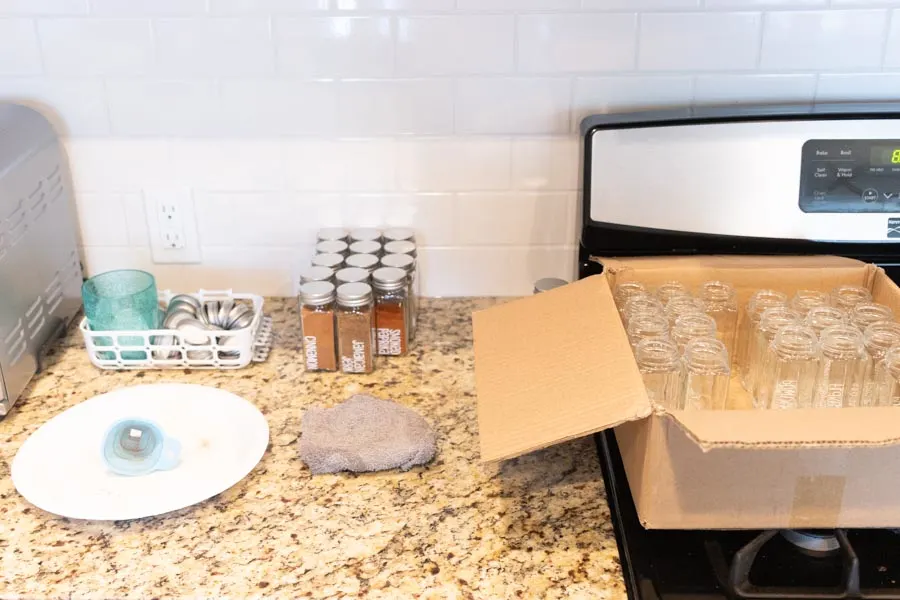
{"type": "Point", "coordinates": [573, 374]}
{"type": "Point", "coordinates": [552, 367]}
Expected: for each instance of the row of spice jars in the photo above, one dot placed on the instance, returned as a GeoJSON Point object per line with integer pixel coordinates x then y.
{"type": "Point", "coordinates": [357, 306]}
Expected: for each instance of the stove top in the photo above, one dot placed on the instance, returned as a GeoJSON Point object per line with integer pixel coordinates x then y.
{"type": "Point", "coordinates": [704, 565]}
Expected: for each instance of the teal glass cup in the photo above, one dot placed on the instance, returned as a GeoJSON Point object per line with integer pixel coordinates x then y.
{"type": "Point", "coordinates": [138, 446]}
{"type": "Point", "coordinates": [124, 300]}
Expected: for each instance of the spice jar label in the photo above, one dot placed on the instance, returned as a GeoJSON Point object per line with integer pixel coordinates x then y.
{"type": "Point", "coordinates": [318, 340]}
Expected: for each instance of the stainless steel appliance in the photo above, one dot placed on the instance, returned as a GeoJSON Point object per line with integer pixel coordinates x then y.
{"type": "Point", "coordinates": [40, 272]}
{"type": "Point", "coordinates": [744, 180]}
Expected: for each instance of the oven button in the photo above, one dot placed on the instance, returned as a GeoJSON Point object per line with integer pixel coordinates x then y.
{"type": "Point", "coordinates": [870, 195]}
{"type": "Point", "coordinates": [844, 172]}
{"type": "Point", "coordinates": [820, 173]}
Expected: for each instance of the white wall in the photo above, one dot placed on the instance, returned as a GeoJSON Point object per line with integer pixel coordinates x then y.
{"type": "Point", "coordinates": [455, 116]}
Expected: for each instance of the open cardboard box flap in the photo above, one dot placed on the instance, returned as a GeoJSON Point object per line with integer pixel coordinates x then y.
{"type": "Point", "coordinates": [558, 366]}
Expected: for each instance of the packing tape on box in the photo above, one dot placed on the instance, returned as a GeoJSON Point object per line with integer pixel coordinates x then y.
{"type": "Point", "coordinates": [818, 500]}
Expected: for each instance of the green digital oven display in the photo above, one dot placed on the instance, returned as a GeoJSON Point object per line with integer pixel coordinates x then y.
{"type": "Point", "coordinates": [884, 155]}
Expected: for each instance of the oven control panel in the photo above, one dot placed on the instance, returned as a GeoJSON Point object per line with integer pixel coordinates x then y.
{"type": "Point", "coordinates": [850, 176]}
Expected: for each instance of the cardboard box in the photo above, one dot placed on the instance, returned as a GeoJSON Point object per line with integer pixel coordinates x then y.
{"type": "Point", "coordinates": [558, 366]}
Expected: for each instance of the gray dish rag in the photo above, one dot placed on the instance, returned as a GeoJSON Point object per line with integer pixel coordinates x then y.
{"type": "Point", "coordinates": [364, 434]}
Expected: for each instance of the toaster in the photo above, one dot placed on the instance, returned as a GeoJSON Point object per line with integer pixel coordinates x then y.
{"type": "Point", "coordinates": [40, 271]}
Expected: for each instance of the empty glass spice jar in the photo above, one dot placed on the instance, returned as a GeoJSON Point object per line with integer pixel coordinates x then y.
{"type": "Point", "coordinates": [771, 320]}
{"type": "Point", "coordinates": [788, 378]}
{"type": "Point", "coordinates": [647, 326]}
{"type": "Point", "coordinates": [865, 313]}
{"type": "Point", "coordinates": [820, 318]}
{"type": "Point", "coordinates": [847, 296]}
{"type": "Point", "coordinates": [878, 338]}
{"type": "Point", "coordinates": [624, 291]}
{"type": "Point", "coordinates": [692, 326]}
{"type": "Point", "coordinates": [887, 377]}
{"type": "Point", "coordinates": [642, 304]}
{"type": "Point", "coordinates": [660, 365]}
{"type": "Point", "coordinates": [317, 325]}
{"type": "Point", "coordinates": [842, 368]}
{"type": "Point", "coordinates": [671, 289]}
{"type": "Point", "coordinates": [719, 302]}
{"type": "Point", "coordinates": [391, 311]}
{"type": "Point", "coordinates": [706, 373]}
{"type": "Point", "coordinates": [804, 300]}
{"type": "Point", "coordinates": [747, 322]}
{"type": "Point", "coordinates": [683, 305]}
{"type": "Point", "coordinates": [355, 328]}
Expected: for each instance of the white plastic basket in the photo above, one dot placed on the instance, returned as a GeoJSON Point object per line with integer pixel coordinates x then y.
{"type": "Point", "coordinates": [168, 349]}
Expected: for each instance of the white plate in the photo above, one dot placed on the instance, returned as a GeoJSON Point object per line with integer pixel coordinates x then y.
{"type": "Point", "coordinates": [60, 468]}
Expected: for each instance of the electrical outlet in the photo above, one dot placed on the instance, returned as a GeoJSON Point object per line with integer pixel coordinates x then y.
{"type": "Point", "coordinates": [172, 225]}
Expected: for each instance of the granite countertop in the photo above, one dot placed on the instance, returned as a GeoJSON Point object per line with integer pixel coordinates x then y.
{"type": "Point", "coordinates": [533, 527]}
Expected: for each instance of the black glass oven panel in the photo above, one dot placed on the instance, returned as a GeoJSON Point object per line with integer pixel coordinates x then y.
{"type": "Point", "coordinates": [850, 176]}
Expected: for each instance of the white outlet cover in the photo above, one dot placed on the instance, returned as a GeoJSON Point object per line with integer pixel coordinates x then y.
{"type": "Point", "coordinates": [184, 201]}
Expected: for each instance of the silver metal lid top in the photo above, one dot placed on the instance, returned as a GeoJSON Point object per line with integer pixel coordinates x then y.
{"type": "Point", "coordinates": [363, 234]}
{"type": "Point", "coordinates": [354, 294]}
{"type": "Point", "coordinates": [328, 260]}
{"type": "Point", "coordinates": [351, 274]}
{"type": "Point", "coordinates": [331, 247]}
{"type": "Point", "coordinates": [399, 234]}
{"type": "Point", "coordinates": [363, 261]}
{"type": "Point", "coordinates": [332, 233]}
{"type": "Point", "coordinates": [389, 278]}
{"type": "Point", "coordinates": [400, 261]}
{"type": "Point", "coordinates": [365, 247]}
{"type": "Point", "coordinates": [317, 293]}
{"type": "Point", "coordinates": [548, 283]}
{"type": "Point", "coordinates": [316, 273]}
{"type": "Point", "coordinates": [400, 247]}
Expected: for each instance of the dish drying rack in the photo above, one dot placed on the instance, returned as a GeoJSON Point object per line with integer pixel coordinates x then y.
{"type": "Point", "coordinates": [168, 349]}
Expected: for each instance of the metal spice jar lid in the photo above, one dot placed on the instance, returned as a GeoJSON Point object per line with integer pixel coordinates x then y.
{"type": "Point", "coordinates": [328, 260]}
{"type": "Point", "coordinates": [362, 261]}
{"type": "Point", "coordinates": [317, 293]}
{"type": "Point", "coordinates": [332, 233]}
{"type": "Point", "coordinates": [331, 247]}
{"type": "Point", "coordinates": [400, 247]}
{"type": "Point", "coordinates": [316, 273]}
{"type": "Point", "coordinates": [365, 247]}
{"type": "Point", "coordinates": [354, 294]}
{"type": "Point", "coordinates": [399, 234]}
{"type": "Point", "coordinates": [365, 234]}
{"type": "Point", "coordinates": [400, 261]}
{"type": "Point", "coordinates": [351, 274]}
{"type": "Point", "coordinates": [389, 278]}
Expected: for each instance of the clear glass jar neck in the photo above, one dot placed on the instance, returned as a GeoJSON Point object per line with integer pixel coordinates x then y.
{"type": "Point", "coordinates": [694, 325]}
{"type": "Point", "coordinates": [795, 342]}
{"type": "Point", "coordinates": [842, 342]}
{"type": "Point", "coordinates": [775, 318]}
{"type": "Point", "coordinates": [881, 337]}
{"type": "Point", "coordinates": [706, 356]}
{"type": "Point", "coordinates": [671, 289]}
{"type": "Point", "coordinates": [656, 355]}
{"type": "Point", "coordinates": [823, 317]}
{"type": "Point", "coordinates": [717, 292]}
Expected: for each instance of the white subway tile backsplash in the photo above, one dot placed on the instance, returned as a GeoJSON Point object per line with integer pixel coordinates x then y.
{"type": "Point", "coordinates": [527, 218]}
{"type": "Point", "coordinates": [278, 107]}
{"type": "Point", "coordinates": [228, 165]}
{"type": "Point", "coordinates": [348, 165]}
{"type": "Point", "coordinates": [741, 89]}
{"type": "Point", "coordinates": [453, 164]}
{"type": "Point", "coordinates": [565, 43]}
{"type": "Point", "coordinates": [454, 45]}
{"type": "Point", "coordinates": [513, 105]}
{"type": "Point", "coordinates": [848, 87]}
{"type": "Point", "coordinates": [492, 271]}
{"type": "Point", "coordinates": [156, 8]}
{"type": "Point", "coordinates": [256, 7]}
{"type": "Point", "coordinates": [699, 41]}
{"type": "Point", "coordinates": [458, 118]}
{"type": "Point", "coordinates": [75, 106]}
{"type": "Point", "coordinates": [394, 107]}
{"type": "Point", "coordinates": [101, 219]}
{"type": "Point", "coordinates": [335, 46]}
{"type": "Point", "coordinates": [84, 47]}
{"type": "Point", "coordinates": [19, 50]}
{"type": "Point", "coordinates": [615, 94]}
{"type": "Point", "coordinates": [186, 108]}
{"type": "Point", "coordinates": [823, 40]}
{"type": "Point", "coordinates": [214, 46]}
{"type": "Point", "coordinates": [545, 163]}
{"type": "Point", "coordinates": [14, 8]}
{"type": "Point", "coordinates": [112, 165]}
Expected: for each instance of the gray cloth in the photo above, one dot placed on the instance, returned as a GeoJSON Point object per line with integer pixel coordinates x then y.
{"type": "Point", "coordinates": [364, 434]}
